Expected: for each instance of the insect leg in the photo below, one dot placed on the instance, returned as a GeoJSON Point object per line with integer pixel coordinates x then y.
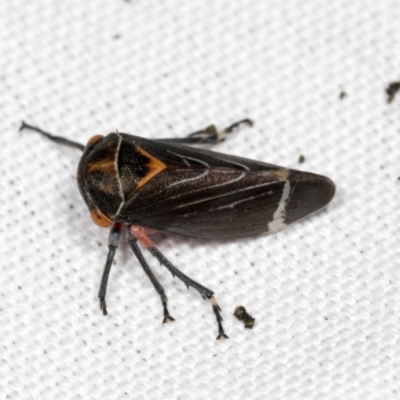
{"type": "Point", "coordinates": [209, 135]}
{"type": "Point", "coordinates": [160, 290]}
{"type": "Point", "coordinates": [140, 234]}
{"type": "Point", "coordinates": [113, 238]}
{"type": "Point", "coordinates": [204, 292]}
{"type": "Point", "coordinates": [57, 139]}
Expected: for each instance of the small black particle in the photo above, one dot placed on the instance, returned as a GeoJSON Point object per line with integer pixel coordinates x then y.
{"type": "Point", "coordinates": [342, 95]}
{"type": "Point", "coordinates": [392, 90]}
{"type": "Point", "coordinates": [301, 159]}
{"type": "Point", "coordinates": [117, 36]}
{"type": "Point", "coordinates": [242, 315]}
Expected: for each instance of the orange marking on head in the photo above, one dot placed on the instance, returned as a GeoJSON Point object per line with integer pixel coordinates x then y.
{"type": "Point", "coordinates": [155, 166]}
{"type": "Point", "coordinates": [107, 162]}
{"type": "Point", "coordinates": [99, 218]}
{"type": "Point", "coordinates": [105, 165]}
{"type": "Point", "coordinates": [93, 140]}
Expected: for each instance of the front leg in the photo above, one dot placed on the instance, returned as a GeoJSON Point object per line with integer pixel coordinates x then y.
{"type": "Point", "coordinates": [115, 233]}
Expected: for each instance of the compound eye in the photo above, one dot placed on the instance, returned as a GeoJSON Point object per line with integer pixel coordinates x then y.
{"type": "Point", "coordinates": [93, 140]}
{"type": "Point", "coordinates": [99, 218]}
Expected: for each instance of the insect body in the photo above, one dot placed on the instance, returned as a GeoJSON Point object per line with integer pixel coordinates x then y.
{"type": "Point", "coordinates": [168, 186]}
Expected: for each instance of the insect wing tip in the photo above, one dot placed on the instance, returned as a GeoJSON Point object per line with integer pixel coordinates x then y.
{"type": "Point", "coordinates": [309, 193]}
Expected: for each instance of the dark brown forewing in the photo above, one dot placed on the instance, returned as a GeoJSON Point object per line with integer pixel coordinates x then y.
{"type": "Point", "coordinates": [206, 203]}
{"type": "Point", "coordinates": [183, 156]}
{"type": "Point", "coordinates": [207, 195]}
{"type": "Point", "coordinates": [308, 193]}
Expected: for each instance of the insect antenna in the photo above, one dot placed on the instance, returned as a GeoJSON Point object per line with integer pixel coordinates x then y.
{"type": "Point", "coordinates": [57, 139]}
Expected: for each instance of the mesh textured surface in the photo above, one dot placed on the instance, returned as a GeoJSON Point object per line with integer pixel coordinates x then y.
{"type": "Point", "coordinates": [324, 292]}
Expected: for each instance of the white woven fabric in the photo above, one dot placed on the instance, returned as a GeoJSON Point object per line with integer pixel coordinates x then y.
{"type": "Point", "coordinates": [324, 292]}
